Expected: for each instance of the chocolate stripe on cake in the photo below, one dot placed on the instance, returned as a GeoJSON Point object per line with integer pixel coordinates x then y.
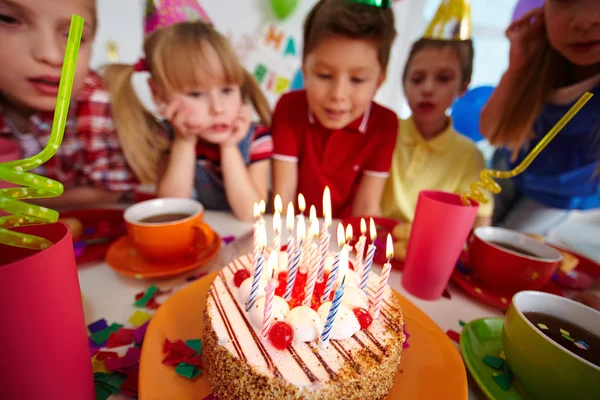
{"type": "Point", "coordinates": [332, 375]}
{"type": "Point", "coordinates": [368, 349]}
{"type": "Point", "coordinates": [375, 341]}
{"type": "Point", "coordinates": [302, 365]}
{"type": "Point", "coordinates": [342, 351]}
{"type": "Point", "coordinates": [227, 323]}
{"type": "Point", "coordinates": [260, 346]}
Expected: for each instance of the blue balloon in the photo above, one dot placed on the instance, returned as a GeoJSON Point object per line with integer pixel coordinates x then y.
{"type": "Point", "coordinates": [465, 111]}
{"type": "Point", "coordinates": [298, 82]}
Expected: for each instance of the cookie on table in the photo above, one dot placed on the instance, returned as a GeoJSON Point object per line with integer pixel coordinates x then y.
{"type": "Point", "coordinates": [401, 231]}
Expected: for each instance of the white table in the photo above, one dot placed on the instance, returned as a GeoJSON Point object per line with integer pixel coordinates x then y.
{"type": "Point", "coordinates": [110, 295]}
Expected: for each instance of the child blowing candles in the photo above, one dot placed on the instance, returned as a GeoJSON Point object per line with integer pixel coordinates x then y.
{"type": "Point", "coordinates": [90, 162]}
{"type": "Point", "coordinates": [333, 134]}
{"type": "Point", "coordinates": [430, 154]}
{"type": "Point", "coordinates": [554, 59]}
{"type": "Point", "coordinates": [206, 97]}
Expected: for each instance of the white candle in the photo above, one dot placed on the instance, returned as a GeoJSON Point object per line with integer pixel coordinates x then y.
{"type": "Point", "coordinates": [335, 305]}
{"type": "Point", "coordinates": [385, 275]}
{"type": "Point", "coordinates": [270, 294]}
{"type": "Point", "coordinates": [290, 229]}
{"type": "Point", "coordinates": [364, 277]}
{"type": "Point", "coordinates": [255, 228]}
{"type": "Point", "coordinates": [336, 264]}
{"type": "Point", "coordinates": [277, 234]}
{"type": "Point", "coordinates": [293, 269]}
{"type": "Point", "coordinates": [258, 269]}
{"type": "Point", "coordinates": [360, 247]}
{"type": "Point", "coordinates": [324, 237]}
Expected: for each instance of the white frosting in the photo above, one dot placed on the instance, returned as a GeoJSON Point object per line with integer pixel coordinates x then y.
{"type": "Point", "coordinates": [246, 287]}
{"type": "Point", "coordinates": [257, 312]}
{"type": "Point", "coordinates": [354, 297]}
{"type": "Point", "coordinates": [352, 279]}
{"type": "Point", "coordinates": [306, 324]}
{"type": "Point", "coordinates": [345, 324]}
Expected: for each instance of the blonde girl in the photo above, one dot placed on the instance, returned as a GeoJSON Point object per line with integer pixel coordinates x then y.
{"type": "Point", "coordinates": [554, 59]}
{"type": "Point", "coordinates": [203, 93]}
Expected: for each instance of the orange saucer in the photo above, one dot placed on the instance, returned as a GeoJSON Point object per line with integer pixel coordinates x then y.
{"type": "Point", "coordinates": [431, 367]}
{"type": "Point", "coordinates": [124, 259]}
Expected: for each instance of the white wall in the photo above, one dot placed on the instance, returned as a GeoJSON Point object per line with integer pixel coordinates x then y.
{"type": "Point", "coordinates": [121, 21]}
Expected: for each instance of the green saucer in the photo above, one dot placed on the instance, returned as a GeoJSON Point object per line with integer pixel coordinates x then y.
{"type": "Point", "coordinates": [480, 338]}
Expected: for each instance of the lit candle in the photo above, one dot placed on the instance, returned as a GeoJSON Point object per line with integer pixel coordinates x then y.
{"type": "Point", "coordinates": [310, 239]}
{"type": "Point", "coordinates": [293, 269]}
{"type": "Point", "coordinates": [277, 234]}
{"type": "Point", "coordinates": [301, 206]}
{"type": "Point", "coordinates": [262, 243]}
{"type": "Point", "coordinates": [335, 305]}
{"type": "Point", "coordinates": [360, 247]}
{"type": "Point", "coordinates": [290, 228]}
{"type": "Point", "coordinates": [369, 260]}
{"type": "Point", "coordinates": [270, 293]}
{"type": "Point", "coordinates": [313, 269]}
{"type": "Point", "coordinates": [324, 237]}
{"type": "Point", "coordinates": [255, 229]}
{"type": "Point", "coordinates": [385, 275]}
{"type": "Point", "coordinates": [336, 264]}
{"type": "Point", "coordinates": [349, 236]}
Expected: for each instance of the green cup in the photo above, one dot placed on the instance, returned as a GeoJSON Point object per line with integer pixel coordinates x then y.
{"type": "Point", "coordinates": [543, 368]}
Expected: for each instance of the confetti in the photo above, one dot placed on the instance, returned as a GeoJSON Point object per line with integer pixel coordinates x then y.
{"type": "Point", "coordinates": [503, 299]}
{"type": "Point", "coordinates": [542, 326]}
{"type": "Point", "coordinates": [564, 332]}
{"type": "Point", "coordinates": [99, 366]}
{"type": "Point", "coordinates": [186, 370]}
{"type": "Point", "coordinates": [461, 323]}
{"type": "Point", "coordinates": [478, 290]}
{"type": "Point", "coordinates": [122, 337]}
{"type": "Point", "coordinates": [102, 393]}
{"type": "Point", "coordinates": [502, 356]}
{"type": "Point", "coordinates": [104, 355]}
{"type": "Point", "coordinates": [146, 297]}
{"type": "Point", "coordinates": [494, 362]}
{"type": "Point", "coordinates": [569, 338]}
{"type": "Point", "coordinates": [101, 337]}
{"type": "Point", "coordinates": [500, 379]}
{"type": "Point", "coordinates": [111, 382]}
{"type": "Point", "coordinates": [582, 345]}
{"type": "Point", "coordinates": [453, 335]}
{"type": "Point", "coordinates": [405, 345]}
{"type": "Point", "coordinates": [195, 344]}
{"type": "Point", "coordinates": [139, 333]}
{"type": "Point", "coordinates": [210, 397]}
{"type": "Point", "coordinates": [97, 326]}
{"type": "Point", "coordinates": [139, 318]}
{"type": "Point", "coordinates": [126, 363]}
{"type": "Point", "coordinates": [131, 383]}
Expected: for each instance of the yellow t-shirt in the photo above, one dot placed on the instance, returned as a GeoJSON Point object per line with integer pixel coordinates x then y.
{"type": "Point", "coordinates": [449, 162]}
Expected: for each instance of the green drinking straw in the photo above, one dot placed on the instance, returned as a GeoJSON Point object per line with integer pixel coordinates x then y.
{"type": "Point", "coordinates": [35, 186]}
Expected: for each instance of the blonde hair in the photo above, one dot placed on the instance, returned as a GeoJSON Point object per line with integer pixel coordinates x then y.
{"type": "Point", "coordinates": [177, 59]}
{"type": "Point", "coordinates": [544, 73]}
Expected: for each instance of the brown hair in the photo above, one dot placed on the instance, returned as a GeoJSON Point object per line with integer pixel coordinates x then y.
{"type": "Point", "coordinates": [176, 57]}
{"type": "Point", "coordinates": [463, 49]}
{"type": "Point", "coordinates": [352, 20]}
{"type": "Point", "coordinates": [536, 82]}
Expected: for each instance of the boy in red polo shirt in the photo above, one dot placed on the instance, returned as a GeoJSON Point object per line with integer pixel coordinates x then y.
{"type": "Point", "coordinates": [333, 134]}
{"type": "Point", "coordinates": [90, 162]}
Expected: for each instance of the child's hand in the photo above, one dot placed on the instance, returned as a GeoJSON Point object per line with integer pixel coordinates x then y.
{"type": "Point", "coordinates": [239, 127]}
{"type": "Point", "coordinates": [178, 116]}
{"type": "Point", "coordinates": [525, 34]}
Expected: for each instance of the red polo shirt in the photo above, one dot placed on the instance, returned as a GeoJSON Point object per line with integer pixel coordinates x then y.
{"type": "Point", "coordinates": [335, 158]}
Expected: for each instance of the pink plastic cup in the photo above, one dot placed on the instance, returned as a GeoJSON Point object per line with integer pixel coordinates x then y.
{"type": "Point", "coordinates": [43, 340]}
{"type": "Point", "coordinates": [440, 229]}
{"type": "Point", "coordinates": [9, 151]}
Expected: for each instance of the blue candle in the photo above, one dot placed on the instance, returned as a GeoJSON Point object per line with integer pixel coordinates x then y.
{"type": "Point", "coordinates": [335, 305]}
{"type": "Point", "coordinates": [258, 269]}
{"type": "Point", "coordinates": [369, 260]}
{"type": "Point", "coordinates": [335, 267]}
{"type": "Point", "coordinates": [293, 268]}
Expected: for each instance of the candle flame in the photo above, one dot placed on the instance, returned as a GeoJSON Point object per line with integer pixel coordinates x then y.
{"type": "Point", "coordinates": [301, 203]}
{"type": "Point", "coordinates": [256, 211]}
{"type": "Point", "coordinates": [389, 247]}
{"type": "Point", "coordinates": [340, 235]}
{"type": "Point", "coordinates": [272, 264]}
{"type": "Point", "coordinates": [277, 221]}
{"type": "Point", "coordinates": [314, 227]}
{"type": "Point", "coordinates": [363, 226]}
{"type": "Point", "coordinates": [349, 233]}
{"type": "Point", "coordinates": [262, 237]}
{"type": "Point", "coordinates": [327, 206]}
{"type": "Point", "coordinates": [373, 230]}
{"type": "Point", "coordinates": [278, 204]}
{"type": "Point", "coordinates": [312, 214]}
{"type": "Point", "coordinates": [290, 217]}
{"type": "Point", "coordinates": [263, 206]}
{"type": "Point", "coordinates": [301, 230]}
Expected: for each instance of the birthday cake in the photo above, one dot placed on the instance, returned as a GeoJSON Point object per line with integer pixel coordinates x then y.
{"type": "Point", "coordinates": [292, 358]}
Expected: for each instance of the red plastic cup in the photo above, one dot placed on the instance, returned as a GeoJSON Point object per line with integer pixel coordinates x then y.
{"type": "Point", "coordinates": [43, 340]}
{"type": "Point", "coordinates": [9, 151]}
{"type": "Point", "coordinates": [440, 228]}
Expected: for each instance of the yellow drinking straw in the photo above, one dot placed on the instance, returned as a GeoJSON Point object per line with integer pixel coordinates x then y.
{"type": "Point", "coordinates": [36, 186]}
{"type": "Point", "coordinates": [486, 175]}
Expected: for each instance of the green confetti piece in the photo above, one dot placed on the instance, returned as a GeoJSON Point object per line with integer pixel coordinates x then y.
{"type": "Point", "coordinates": [102, 336]}
{"type": "Point", "coordinates": [508, 375]}
{"type": "Point", "coordinates": [112, 381]}
{"type": "Point", "coordinates": [564, 332]}
{"type": "Point", "coordinates": [187, 370]}
{"type": "Point", "coordinates": [569, 338]}
{"type": "Point", "coordinates": [147, 297]}
{"type": "Point", "coordinates": [494, 362]}
{"type": "Point", "coordinates": [195, 344]}
{"type": "Point", "coordinates": [500, 379]}
{"type": "Point", "coordinates": [102, 393]}
{"type": "Point", "coordinates": [461, 323]}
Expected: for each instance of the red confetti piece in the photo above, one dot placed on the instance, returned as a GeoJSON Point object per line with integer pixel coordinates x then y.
{"type": "Point", "coordinates": [455, 336]}
{"type": "Point", "coordinates": [122, 337]}
{"type": "Point", "coordinates": [167, 346]}
{"type": "Point", "coordinates": [182, 348]}
{"type": "Point", "coordinates": [195, 361]}
{"type": "Point", "coordinates": [173, 358]}
{"type": "Point", "coordinates": [131, 384]}
{"type": "Point", "coordinates": [105, 355]}
{"type": "Point", "coordinates": [125, 364]}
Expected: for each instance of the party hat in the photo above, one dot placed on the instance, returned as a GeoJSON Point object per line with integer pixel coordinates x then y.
{"type": "Point", "coordinates": [452, 21]}
{"type": "Point", "coordinates": [168, 12]}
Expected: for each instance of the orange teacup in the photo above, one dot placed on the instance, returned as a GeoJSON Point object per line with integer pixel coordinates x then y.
{"type": "Point", "coordinates": [167, 229]}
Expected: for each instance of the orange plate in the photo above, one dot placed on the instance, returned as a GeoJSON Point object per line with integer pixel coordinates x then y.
{"type": "Point", "coordinates": [123, 258]}
{"type": "Point", "coordinates": [431, 367]}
